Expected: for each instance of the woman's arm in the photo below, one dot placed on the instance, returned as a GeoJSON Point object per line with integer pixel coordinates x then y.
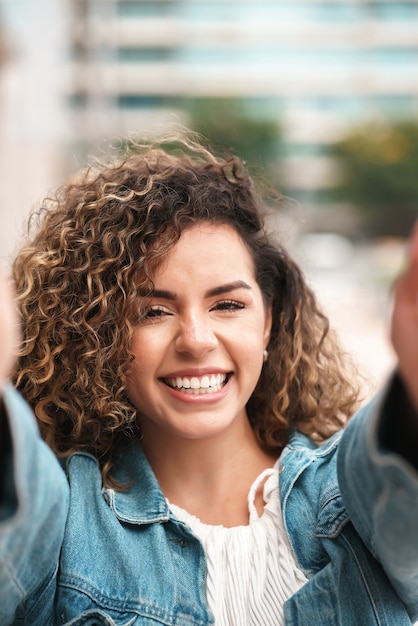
{"type": "Point", "coordinates": [33, 497]}
{"type": "Point", "coordinates": [400, 434]}
{"type": "Point", "coordinates": [378, 455]}
{"type": "Point", "coordinates": [8, 347]}
{"type": "Point", "coordinates": [5, 449]}
{"type": "Point", "coordinates": [9, 333]}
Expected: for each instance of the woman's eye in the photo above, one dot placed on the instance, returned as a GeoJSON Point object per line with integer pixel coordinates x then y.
{"type": "Point", "coordinates": [229, 305]}
{"type": "Point", "coordinates": [153, 313]}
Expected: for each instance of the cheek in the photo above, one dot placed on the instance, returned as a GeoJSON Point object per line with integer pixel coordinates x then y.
{"type": "Point", "coordinates": [148, 349]}
{"type": "Point", "coordinates": [137, 366]}
{"type": "Point", "coordinates": [139, 389]}
{"type": "Point", "coordinates": [141, 346]}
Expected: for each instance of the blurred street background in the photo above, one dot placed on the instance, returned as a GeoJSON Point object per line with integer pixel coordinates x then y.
{"type": "Point", "coordinates": [321, 96]}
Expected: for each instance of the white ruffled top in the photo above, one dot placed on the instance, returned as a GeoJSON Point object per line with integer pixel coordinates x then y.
{"type": "Point", "coordinates": [251, 570]}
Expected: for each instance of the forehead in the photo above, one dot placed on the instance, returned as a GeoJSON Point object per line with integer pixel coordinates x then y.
{"type": "Point", "coordinates": [205, 248]}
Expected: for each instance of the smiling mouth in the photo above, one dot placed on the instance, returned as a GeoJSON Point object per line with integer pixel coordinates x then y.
{"type": "Point", "coordinates": [198, 384]}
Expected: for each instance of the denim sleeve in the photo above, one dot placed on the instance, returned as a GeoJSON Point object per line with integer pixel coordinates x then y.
{"type": "Point", "coordinates": [33, 511]}
{"type": "Point", "coordinates": [380, 492]}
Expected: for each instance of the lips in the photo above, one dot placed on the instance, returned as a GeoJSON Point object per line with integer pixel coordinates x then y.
{"type": "Point", "coordinates": [209, 383]}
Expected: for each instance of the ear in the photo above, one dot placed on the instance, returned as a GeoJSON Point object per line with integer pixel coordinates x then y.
{"type": "Point", "coordinates": [267, 325]}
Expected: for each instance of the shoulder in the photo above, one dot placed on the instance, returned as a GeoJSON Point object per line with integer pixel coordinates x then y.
{"type": "Point", "coordinates": [302, 458]}
{"type": "Point", "coordinates": [308, 476]}
{"type": "Point", "coordinates": [312, 505]}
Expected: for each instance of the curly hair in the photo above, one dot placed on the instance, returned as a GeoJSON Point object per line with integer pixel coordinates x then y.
{"type": "Point", "coordinates": [81, 278]}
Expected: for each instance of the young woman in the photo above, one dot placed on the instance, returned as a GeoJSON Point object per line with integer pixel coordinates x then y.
{"type": "Point", "coordinates": [199, 466]}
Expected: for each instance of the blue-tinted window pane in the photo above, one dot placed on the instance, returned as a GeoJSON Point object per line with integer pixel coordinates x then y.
{"type": "Point", "coordinates": [398, 56]}
{"type": "Point", "coordinates": [394, 10]}
{"type": "Point", "coordinates": [145, 8]}
{"type": "Point", "coordinates": [211, 10]}
{"type": "Point", "coordinates": [284, 11]}
{"type": "Point", "coordinates": [270, 55]}
{"type": "Point", "coordinates": [257, 11]}
{"type": "Point", "coordinates": [350, 106]}
{"type": "Point", "coordinates": [156, 101]}
{"type": "Point", "coordinates": [338, 12]}
{"type": "Point", "coordinates": [133, 54]}
{"type": "Point", "coordinates": [135, 101]}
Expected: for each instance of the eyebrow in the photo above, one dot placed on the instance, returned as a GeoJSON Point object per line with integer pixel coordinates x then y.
{"type": "Point", "coordinates": [215, 291]}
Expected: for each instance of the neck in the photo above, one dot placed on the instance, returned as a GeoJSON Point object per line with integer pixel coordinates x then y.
{"type": "Point", "coordinates": [210, 478]}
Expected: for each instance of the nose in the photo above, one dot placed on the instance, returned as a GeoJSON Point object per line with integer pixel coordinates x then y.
{"type": "Point", "coordinates": [196, 336]}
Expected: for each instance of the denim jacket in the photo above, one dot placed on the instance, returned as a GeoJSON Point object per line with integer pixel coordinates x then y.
{"type": "Point", "coordinates": [77, 554]}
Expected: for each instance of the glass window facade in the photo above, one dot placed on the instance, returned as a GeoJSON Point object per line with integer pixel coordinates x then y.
{"type": "Point", "coordinates": [368, 72]}
{"type": "Point", "coordinates": [338, 11]}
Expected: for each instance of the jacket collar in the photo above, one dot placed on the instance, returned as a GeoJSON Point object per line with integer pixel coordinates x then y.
{"type": "Point", "coordinates": [299, 453]}
{"type": "Point", "coordinates": [142, 501]}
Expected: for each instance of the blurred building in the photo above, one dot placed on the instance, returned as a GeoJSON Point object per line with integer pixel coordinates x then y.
{"type": "Point", "coordinates": [33, 111]}
{"type": "Point", "coordinates": [88, 70]}
{"type": "Point", "coordinates": [316, 67]}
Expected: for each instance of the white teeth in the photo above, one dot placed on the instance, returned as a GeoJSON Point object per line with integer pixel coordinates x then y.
{"type": "Point", "coordinates": [205, 384]}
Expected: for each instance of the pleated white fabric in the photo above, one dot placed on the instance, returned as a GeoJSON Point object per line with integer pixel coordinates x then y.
{"type": "Point", "coordinates": [251, 570]}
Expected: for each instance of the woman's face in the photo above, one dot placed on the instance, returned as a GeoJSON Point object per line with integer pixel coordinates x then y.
{"type": "Point", "coordinates": [199, 347]}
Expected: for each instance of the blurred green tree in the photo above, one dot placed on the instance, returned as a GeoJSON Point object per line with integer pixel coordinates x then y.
{"type": "Point", "coordinates": [379, 176]}
{"type": "Point", "coordinates": [229, 125]}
